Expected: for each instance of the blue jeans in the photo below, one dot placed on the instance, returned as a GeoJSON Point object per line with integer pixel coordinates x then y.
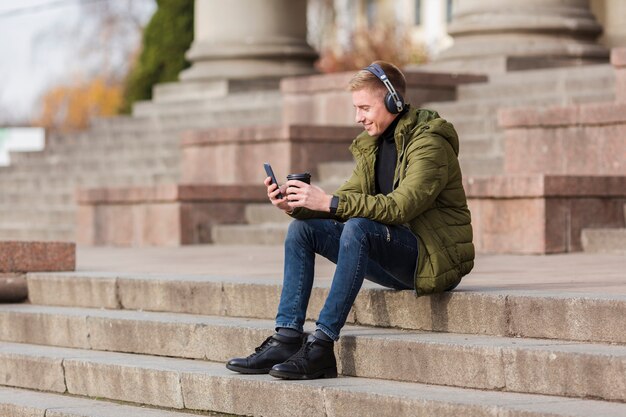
{"type": "Point", "coordinates": [361, 248]}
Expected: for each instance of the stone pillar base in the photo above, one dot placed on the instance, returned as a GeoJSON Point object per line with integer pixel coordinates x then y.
{"type": "Point", "coordinates": [249, 39]}
{"type": "Point", "coordinates": [498, 36]}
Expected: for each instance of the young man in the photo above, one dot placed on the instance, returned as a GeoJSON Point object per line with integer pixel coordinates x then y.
{"type": "Point", "coordinates": [401, 221]}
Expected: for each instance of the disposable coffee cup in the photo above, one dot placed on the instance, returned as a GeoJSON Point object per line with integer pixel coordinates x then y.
{"type": "Point", "coordinates": [304, 177]}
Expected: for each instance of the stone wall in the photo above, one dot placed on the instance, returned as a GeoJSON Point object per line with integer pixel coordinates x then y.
{"type": "Point", "coordinates": [565, 170]}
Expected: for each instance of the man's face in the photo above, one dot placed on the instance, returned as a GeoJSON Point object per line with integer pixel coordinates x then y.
{"type": "Point", "coordinates": [371, 111]}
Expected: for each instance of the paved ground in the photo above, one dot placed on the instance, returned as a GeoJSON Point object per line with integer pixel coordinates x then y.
{"type": "Point", "coordinates": [578, 272]}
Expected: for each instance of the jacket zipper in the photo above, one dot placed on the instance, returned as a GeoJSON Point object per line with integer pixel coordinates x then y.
{"type": "Point", "coordinates": [388, 234]}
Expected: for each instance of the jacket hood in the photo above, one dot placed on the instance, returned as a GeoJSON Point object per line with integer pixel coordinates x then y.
{"type": "Point", "coordinates": [414, 120]}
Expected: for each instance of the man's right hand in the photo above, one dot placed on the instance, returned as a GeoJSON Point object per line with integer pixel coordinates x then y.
{"type": "Point", "coordinates": [272, 192]}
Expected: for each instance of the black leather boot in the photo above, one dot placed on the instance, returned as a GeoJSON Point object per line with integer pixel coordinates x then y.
{"type": "Point", "coordinates": [275, 349]}
{"type": "Point", "coordinates": [316, 359]}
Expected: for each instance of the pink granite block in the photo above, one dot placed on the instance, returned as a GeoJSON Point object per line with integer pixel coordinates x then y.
{"type": "Point", "coordinates": [198, 219]}
{"type": "Point", "coordinates": [85, 220]}
{"type": "Point", "coordinates": [566, 150]}
{"type": "Point", "coordinates": [418, 96]}
{"type": "Point", "coordinates": [566, 218]}
{"type": "Point", "coordinates": [329, 108]}
{"type": "Point", "coordinates": [315, 83]}
{"type": "Point", "coordinates": [441, 79]}
{"type": "Point", "coordinates": [612, 155]}
{"type": "Point", "coordinates": [542, 214]}
{"type": "Point", "coordinates": [554, 116]}
{"type": "Point", "coordinates": [508, 225]}
{"type": "Point", "coordinates": [533, 116]}
{"type": "Point", "coordinates": [620, 85]}
{"type": "Point", "coordinates": [158, 224]}
{"type": "Point", "coordinates": [37, 256]}
{"type": "Point", "coordinates": [505, 186]}
{"type": "Point", "coordinates": [297, 108]}
{"type": "Point", "coordinates": [166, 215]}
{"type": "Point", "coordinates": [602, 113]}
{"type": "Point", "coordinates": [114, 225]}
{"type": "Point", "coordinates": [236, 156]}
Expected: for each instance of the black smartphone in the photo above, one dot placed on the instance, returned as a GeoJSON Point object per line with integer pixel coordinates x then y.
{"type": "Point", "coordinates": [270, 173]}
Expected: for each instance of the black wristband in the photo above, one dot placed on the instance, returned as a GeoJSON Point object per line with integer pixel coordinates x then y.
{"type": "Point", "coordinates": [334, 203]}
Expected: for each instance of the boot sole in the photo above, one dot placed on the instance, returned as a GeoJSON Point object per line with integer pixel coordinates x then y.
{"type": "Point", "coordinates": [249, 371]}
{"type": "Point", "coordinates": [324, 373]}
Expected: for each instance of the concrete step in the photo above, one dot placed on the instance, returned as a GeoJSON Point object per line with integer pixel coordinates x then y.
{"type": "Point", "coordinates": [24, 403]}
{"type": "Point", "coordinates": [197, 385]}
{"type": "Point", "coordinates": [28, 231]}
{"type": "Point", "coordinates": [604, 240]}
{"type": "Point", "coordinates": [256, 234]}
{"type": "Point", "coordinates": [532, 314]}
{"type": "Point", "coordinates": [34, 215]}
{"type": "Point", "coordinates": [335, 171]}
{"type": "Point", "coordinates": [555, 82]}
{"type": "Point", "coordinates": [265, 213]}
{"type": "Point", "coordinates": [187, 91]}
{"type": "Point", "coordinates": [484, 362]}
{"type": "Point", "coordinates": [489, 106]}
{"type": "Point", "coordinates": [91, 148]}
{"type": "Point", "coordinates": [20, 199]}
{"type": "Point", "coordinates": [98, 158]}
{"type": "Point", "coordinates": [232, 103]}
{"type": "Point", "coordinates": [582, 72]}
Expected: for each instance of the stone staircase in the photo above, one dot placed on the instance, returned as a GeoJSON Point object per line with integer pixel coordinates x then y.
{"type": "Point", "coordinates": [108, 344]}
{"type": "Point", "coordinates": [37, 191]}
{"type": "Point", "coordinates": [475, 116]}
{"type": "Point", "coordinates": [475, 111]}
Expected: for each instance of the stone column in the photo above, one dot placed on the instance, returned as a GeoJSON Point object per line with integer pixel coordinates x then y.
{"type": "Point", "coordinates": [249, 39]}
{"type": "Point", "coordinates": [502, 35]}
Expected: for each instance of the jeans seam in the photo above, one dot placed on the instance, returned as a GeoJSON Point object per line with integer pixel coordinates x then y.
{"type": "Point", "coordinates": [344, 313]}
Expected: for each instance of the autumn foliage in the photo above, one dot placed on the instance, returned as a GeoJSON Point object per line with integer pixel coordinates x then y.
{"type": "Point", "coordinates": [72, 107]}
{"type": "Point", "coordinates": [387, 42]}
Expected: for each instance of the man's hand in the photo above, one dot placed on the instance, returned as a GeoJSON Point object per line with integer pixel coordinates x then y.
{"type": "Point", "coordinates": [301, 194]}
{"type": "Point", "coordinates": [272, 192]}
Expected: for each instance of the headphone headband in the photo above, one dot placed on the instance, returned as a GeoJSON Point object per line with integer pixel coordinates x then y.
{"type": "Point", "coordinates": [378, 71]}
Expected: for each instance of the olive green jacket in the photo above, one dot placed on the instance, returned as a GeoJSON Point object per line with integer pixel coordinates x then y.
{"type": "Point", "coordinates": [428, 197]}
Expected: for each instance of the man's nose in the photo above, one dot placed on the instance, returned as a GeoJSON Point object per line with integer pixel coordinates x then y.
{"type": "Point", "coordinates": [358, 116]}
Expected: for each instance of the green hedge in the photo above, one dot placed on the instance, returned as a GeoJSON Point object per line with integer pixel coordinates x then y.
{"type": "Point", "coordinates": [166, 38]}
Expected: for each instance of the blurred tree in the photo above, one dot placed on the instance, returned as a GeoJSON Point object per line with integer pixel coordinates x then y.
{"type": "Point", "coordinates": [165, 40]}
{"type": "Point", "coordinates": [71, 107]}
{"type": "Point", "coordinates": [103, 43]}
{"type": "Point", "coordinates": [371, 44]}
{"type": "Point", "coordinates": [347, 39]}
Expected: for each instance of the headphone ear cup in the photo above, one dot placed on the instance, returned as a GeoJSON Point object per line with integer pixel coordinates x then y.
{"type": "Point", "coordinates": [390, 103]}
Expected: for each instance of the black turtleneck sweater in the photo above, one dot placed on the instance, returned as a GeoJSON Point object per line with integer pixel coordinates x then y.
{"type": "Point", "coordinates": [387, 157]}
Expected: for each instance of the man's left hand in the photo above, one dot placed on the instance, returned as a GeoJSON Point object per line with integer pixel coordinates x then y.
{"type": "Point", "coordinates": [301, 194]}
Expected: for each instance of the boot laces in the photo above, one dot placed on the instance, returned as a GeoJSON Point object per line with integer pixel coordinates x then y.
{"type": "Point", "coordinates": [262, 347]}
{"type": "Point", "coordinates": [302, 354]}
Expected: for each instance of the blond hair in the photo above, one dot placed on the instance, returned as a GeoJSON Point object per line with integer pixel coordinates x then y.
{"type": "Point", "coordinates": [365, 79]}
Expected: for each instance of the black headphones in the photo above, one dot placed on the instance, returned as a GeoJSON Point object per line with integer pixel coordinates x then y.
{"type": "Point", "coordinates": [393, 100]}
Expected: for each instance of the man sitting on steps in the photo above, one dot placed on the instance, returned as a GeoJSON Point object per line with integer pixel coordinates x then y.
{"type": "Point", "coordinates": [401, 221]}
